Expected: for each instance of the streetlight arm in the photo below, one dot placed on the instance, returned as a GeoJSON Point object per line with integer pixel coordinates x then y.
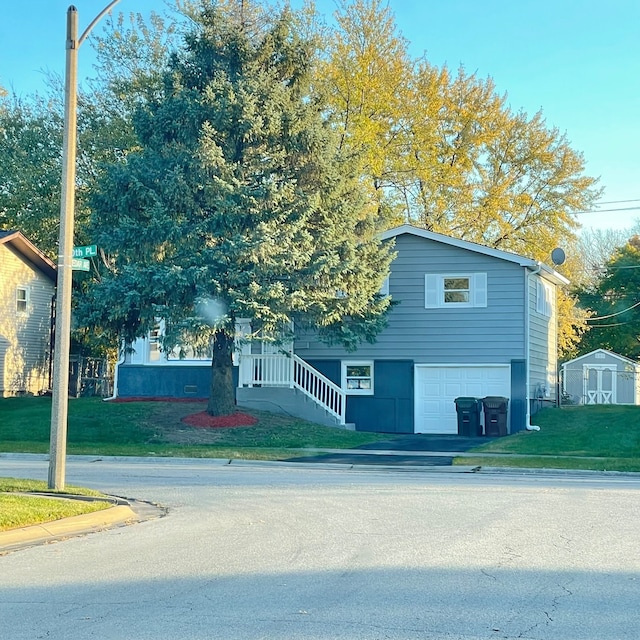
{"type": "Point", "coordinates": [95, 21]}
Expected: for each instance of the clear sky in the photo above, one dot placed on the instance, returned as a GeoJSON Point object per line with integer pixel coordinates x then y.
{"type": "Point", "coordinates": [576, 60]}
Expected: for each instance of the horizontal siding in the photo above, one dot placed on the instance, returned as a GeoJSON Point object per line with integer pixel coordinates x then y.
{"type": "Point", "coordinates": [494, 334]}
{"type": "Point", "coordinates": [543, 345]}
{"type": "Point", "coordinates": [24, 338]}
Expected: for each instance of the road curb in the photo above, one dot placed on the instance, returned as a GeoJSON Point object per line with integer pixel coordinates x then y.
{"type": "Point", "coordinates": [117, 515]}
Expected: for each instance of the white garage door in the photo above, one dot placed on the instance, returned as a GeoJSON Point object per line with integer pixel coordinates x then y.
{"type": "Point", "coordinates": [436, 388]}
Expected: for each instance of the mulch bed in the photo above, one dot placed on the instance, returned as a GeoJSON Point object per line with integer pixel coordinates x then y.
{"type": "Point", "coordinates": [204, 420]}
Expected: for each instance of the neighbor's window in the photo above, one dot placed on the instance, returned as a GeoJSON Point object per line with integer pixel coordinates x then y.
{"type": "Point", "coordinates": [22, 299]}
{"type": "Point", "coordinates": [455, 290]}
{"type": "Point", "coordinates": [357, 378]}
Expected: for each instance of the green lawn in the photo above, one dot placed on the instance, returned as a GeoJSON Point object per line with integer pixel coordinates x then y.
{"type": "Point", "coordinates": [155, 429]}
{"type": "Point", "coordinates": [570, 435]}
{"type": "Point", "coordinates": [20, 509]}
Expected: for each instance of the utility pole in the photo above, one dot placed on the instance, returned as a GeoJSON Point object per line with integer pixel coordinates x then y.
{"type": "Point", "coordinates": [60, 386]}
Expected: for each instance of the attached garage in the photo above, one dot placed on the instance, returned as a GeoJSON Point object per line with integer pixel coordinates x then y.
{"type": "Point", "coordinates": [437, 387]}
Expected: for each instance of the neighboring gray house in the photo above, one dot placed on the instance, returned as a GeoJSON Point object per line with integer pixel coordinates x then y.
{"type": "Point", "coordinates": [469, 321]}
{"type": "Point", "coordinates": [27, 287]}
{"type": "Point", "coordinates": [601, 377]}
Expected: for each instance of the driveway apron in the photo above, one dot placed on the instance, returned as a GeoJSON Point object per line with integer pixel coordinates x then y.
{"type": "Point", "coordinates": [406, 450]}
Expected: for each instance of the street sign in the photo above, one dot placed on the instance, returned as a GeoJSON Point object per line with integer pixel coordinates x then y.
{"type": "Point", "coordinates": [85, 252]}
{"type": "Point", "coordinates": [77, 264]}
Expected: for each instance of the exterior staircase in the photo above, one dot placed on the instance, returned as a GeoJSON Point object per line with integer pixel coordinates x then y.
{"type": "Point", "coordinates": [284, 383]}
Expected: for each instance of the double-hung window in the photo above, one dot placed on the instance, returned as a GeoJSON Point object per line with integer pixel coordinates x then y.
{"type": "Point", "coordinates": [455, 290]}
{"type": "Point", "coordinates": [22, 300]}
{"type": "Point", "coordinates": [357, 377]}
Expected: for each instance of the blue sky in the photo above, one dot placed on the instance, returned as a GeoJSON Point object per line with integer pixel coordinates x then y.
{"type": "Point", "coordinates": [576, 60]}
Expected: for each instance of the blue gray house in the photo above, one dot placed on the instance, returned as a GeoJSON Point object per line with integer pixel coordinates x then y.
{"type": "Point", "coordinates": [468, 321]}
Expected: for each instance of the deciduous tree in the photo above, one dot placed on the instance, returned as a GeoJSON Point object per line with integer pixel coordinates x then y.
{"type": "Point", "coordinates": [614, 303]}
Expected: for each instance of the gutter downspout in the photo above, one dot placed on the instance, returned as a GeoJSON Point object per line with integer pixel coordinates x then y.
{"type": "Point", "coordinates": [529, 274]}
{"type": "Point", "coordinates": [115, 376]}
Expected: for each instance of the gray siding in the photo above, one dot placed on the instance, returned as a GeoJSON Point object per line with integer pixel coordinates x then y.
{"type": "Point", "coordinates": [24, 338]}
{"type": "Point", "coordinates": [542, 347]}
{"type": "Point", "coordinates": [494, 334]}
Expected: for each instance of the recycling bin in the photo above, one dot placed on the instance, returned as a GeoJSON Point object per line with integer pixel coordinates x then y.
{"type": "Point", "coordinates": [468, 410]}
{"type": "Point", "coordinates": [495, 415]}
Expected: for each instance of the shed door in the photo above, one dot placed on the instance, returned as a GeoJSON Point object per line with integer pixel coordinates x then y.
{"type": "Point", "coordinates": [600, 384]}
{"type": "Point", "coordinates": [436, 388]}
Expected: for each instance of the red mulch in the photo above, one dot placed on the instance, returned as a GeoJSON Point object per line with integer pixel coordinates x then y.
{"type": "Point", "coordinates": [204, 420]}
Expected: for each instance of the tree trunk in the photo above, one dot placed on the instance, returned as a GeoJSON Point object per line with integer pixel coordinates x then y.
{"type": "Point", "coordinates": [222, 400]}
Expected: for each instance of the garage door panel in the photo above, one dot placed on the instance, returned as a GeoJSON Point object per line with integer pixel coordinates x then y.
{"type": "Point", "coordinates": [438, 386]}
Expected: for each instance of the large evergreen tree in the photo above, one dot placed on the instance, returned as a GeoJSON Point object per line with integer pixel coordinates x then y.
{"type": "Point", "coordinates": [237, 200]}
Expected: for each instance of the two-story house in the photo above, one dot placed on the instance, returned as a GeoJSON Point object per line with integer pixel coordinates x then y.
{"type": "Point", "coordinates": [27, 288]}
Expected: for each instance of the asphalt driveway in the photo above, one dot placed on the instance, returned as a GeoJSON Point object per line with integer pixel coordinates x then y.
{"type": "Point", "coordinates": [402, 450]}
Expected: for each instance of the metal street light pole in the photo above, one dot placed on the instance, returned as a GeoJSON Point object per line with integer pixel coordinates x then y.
{"type": "Point", "coordinates": [60, 386]}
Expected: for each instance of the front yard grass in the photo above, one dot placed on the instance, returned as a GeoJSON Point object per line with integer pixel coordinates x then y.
{"type": "Point", "coordinates": [601, 438]}
{"type": "Point", "coordinates": [96, 427]}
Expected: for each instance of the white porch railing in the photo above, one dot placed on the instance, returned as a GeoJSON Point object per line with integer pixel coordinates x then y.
{"type": "Point", "coordinates": [278, 370]}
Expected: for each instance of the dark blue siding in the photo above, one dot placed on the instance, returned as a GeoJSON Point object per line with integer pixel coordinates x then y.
{"type": "Point", "coordinates": [140, 381]}
{"type": "Point", "coordinates": [518, 408]}
{"type": "Point", "coordinates": [390, 409]}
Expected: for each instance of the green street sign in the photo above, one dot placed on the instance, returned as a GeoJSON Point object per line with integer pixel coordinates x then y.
{"type": "Point", "coordinates": [85, 252]}
{"type": "Point", "coordinates": [77, 264]}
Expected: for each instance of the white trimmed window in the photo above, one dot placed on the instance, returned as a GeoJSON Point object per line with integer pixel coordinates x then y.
{"type": "Point", "coordinates": [22, 299]}
{"type": "Point", "coordinates": [544, 297]}
{"type": "Point", "coordinates": [455, 290]}
{"type": "Point", "coordinates": [155, 336]}
{"type": "Point", "coordinates": [357, 377]}
{"type": "Point", "coordinates": [384, 289]}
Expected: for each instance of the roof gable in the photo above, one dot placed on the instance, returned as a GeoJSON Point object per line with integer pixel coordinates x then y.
{"type": "Point", "coordinates": [544, 270]}
{"type": "Point", "coordinates": [30, 253]}
{"type": "Point", "coordinates": [609, 353]}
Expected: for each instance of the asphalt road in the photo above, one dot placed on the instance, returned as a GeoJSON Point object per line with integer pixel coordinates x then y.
{"type": "Point", "coordinates": [287, 552]}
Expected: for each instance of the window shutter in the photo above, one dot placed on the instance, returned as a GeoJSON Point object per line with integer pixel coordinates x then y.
{"type": "Point", "coordinates": [479, 289]}
{"type": "Point", "coordinates": [431, 291]}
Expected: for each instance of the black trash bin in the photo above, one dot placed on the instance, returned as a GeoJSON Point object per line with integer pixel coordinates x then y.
{"type": "Point", "coordinates": [495, 415]}
{"type": "Point", "coordinates": [468, 410]}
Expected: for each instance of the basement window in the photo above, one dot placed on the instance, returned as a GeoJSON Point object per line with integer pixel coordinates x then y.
{"type": "Point", "coordinates": [357, 377]}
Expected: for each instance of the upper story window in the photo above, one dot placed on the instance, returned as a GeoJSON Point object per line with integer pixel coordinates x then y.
{"type": "Point", "coordinates": [384, 289]}
{"type": "Point", "coordinates": [455, 290]}
{"type": "Point", "coordinates": [357, 377]}
{"type": "Point", "coordinates": [22, 299]}
{"type": "Point", "coordinates": [544, 298]}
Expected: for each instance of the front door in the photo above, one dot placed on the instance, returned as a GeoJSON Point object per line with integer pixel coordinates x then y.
{"type": "Point", "coordinates": [600, 384]}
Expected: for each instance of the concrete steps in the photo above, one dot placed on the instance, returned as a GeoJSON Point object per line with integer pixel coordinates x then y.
{"type": "Point", "coordinates": [288, 402]}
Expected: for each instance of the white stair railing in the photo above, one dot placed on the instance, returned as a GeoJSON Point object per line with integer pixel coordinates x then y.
{"type": "Point", "coordinates": [319, 388]}
{"type": "Point", "coordinates": [279, 370]}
